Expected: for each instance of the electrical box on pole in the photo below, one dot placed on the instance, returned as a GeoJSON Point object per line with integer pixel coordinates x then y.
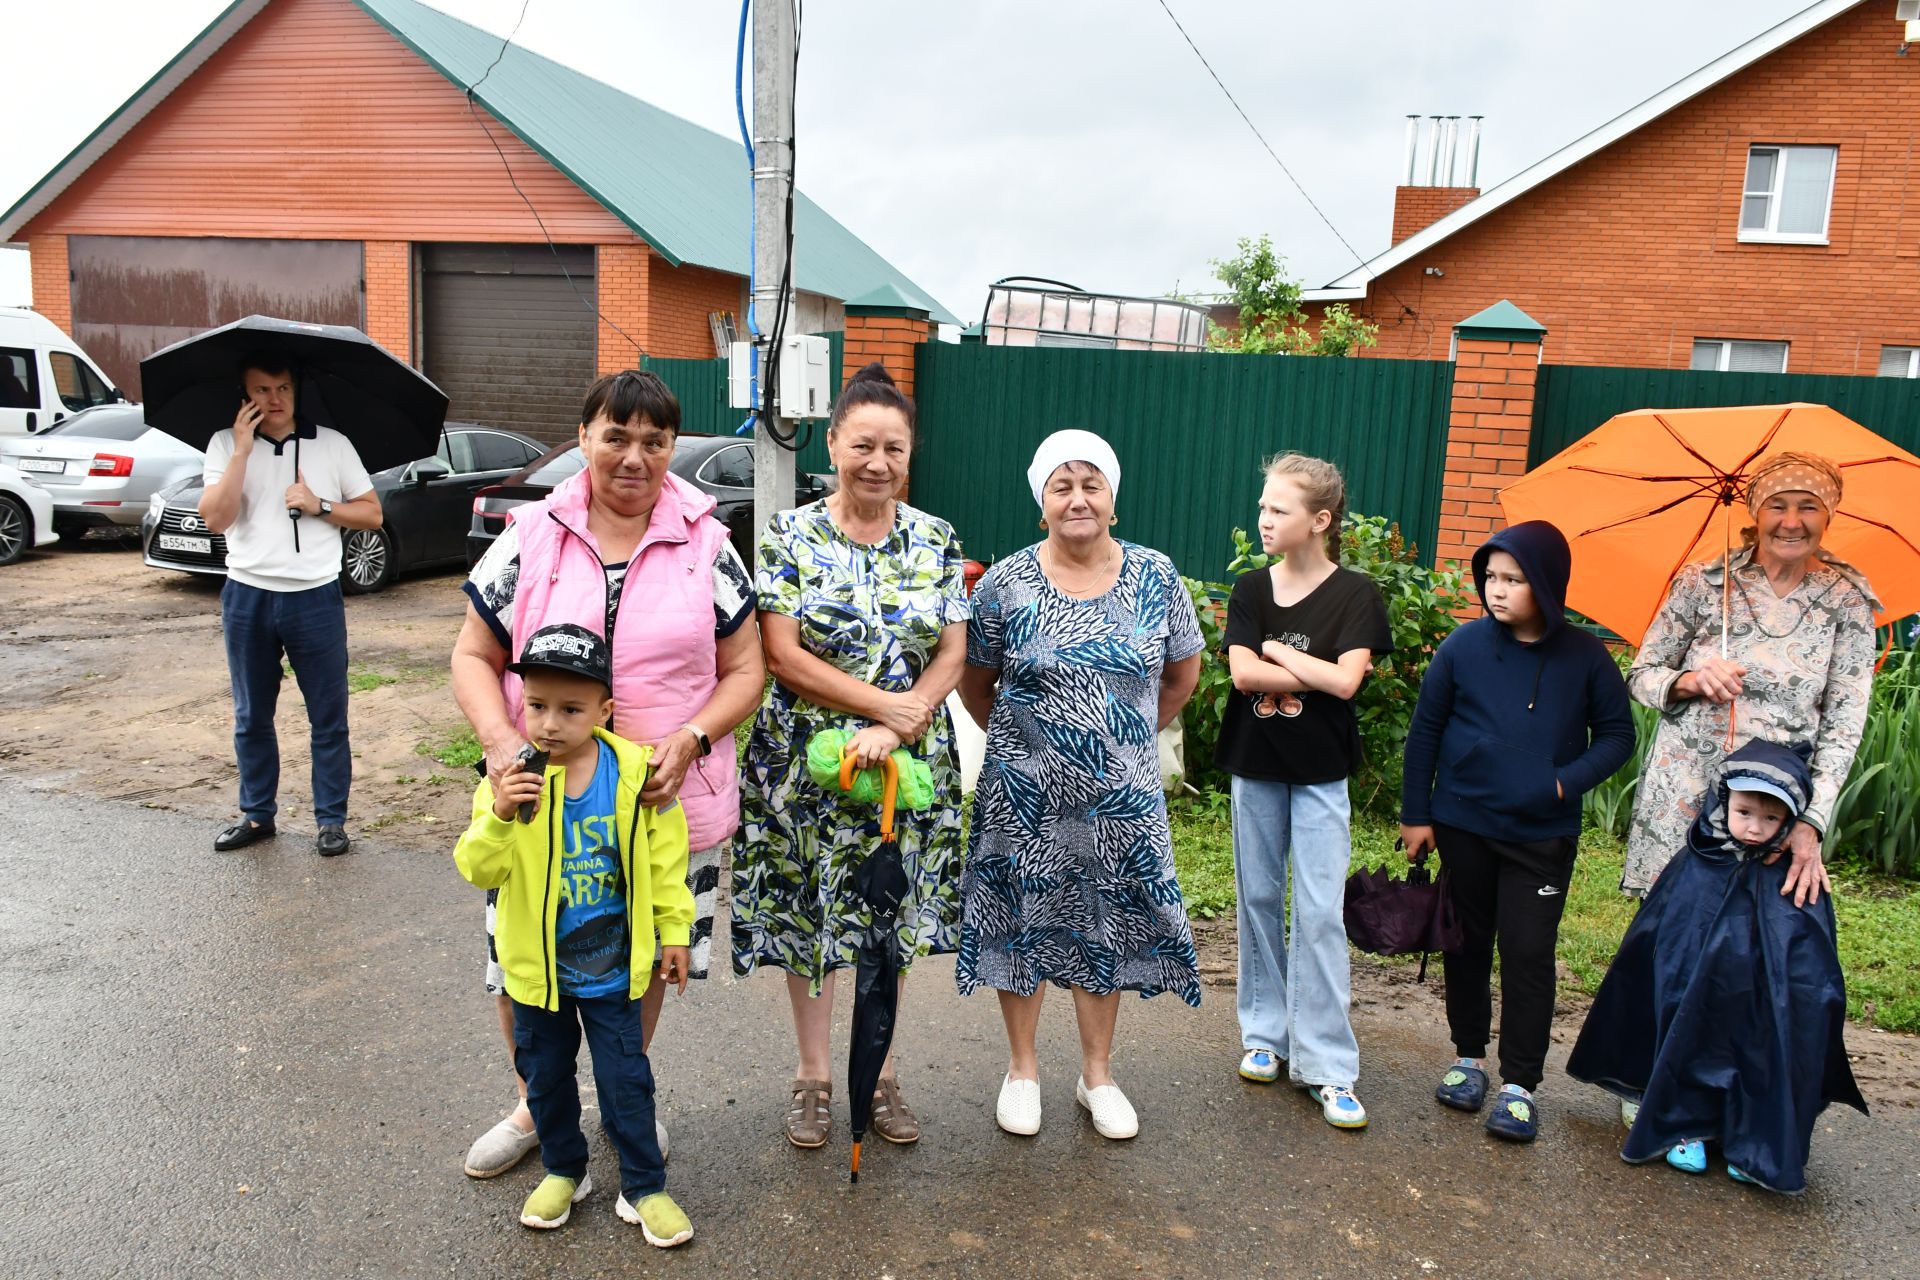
{"type": "Point", "coordinates": [806, 387]}
{"type": "Point", "coordinates": [773, 72]}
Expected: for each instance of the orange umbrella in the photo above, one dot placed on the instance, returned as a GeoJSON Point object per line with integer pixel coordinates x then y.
{"type": "Point", "coordinates": [1650, 491]}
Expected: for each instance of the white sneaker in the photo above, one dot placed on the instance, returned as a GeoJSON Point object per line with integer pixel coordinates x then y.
{"type": "Point", "coordinates": [1629, 1112]}
{"type": "Point", "coordinates": [1112, 1114]}
{"type": "Point", "coordinates": [660, 1136]}
{"type": "Point", "coordinates": [499, 1149]}
{"type": "Point", "coordinates": [1018, 1110]}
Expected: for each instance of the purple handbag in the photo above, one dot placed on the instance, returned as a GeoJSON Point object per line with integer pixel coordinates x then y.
{"type": "Point", "coordinates": [1389, 917]}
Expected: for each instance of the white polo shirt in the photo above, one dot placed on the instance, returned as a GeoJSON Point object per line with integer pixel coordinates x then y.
{"type": "Point", "coordinates": [260, 551]}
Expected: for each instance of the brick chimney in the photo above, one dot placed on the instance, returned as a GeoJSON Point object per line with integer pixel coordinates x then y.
{"type": "Point", "coordinates": [1420, 202]}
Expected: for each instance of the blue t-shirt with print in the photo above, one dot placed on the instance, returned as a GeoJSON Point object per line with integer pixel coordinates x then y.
{"type": "Point", "coordinates": [591, 947]}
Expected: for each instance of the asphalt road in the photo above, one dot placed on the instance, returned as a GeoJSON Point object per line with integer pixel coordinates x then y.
{"type": "Point", "coordinates": [267, 1064]}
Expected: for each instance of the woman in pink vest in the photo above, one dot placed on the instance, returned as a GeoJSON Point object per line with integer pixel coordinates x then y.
{"type": "Point", "coordinates": [630, 551]}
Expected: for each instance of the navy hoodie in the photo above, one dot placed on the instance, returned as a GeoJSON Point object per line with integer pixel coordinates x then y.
{"type": "Point", "coordinates": [1499, 722]}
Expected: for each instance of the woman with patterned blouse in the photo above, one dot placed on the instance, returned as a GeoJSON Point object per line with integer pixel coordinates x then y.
{"type": "Point", "coordinates": [1798, 668]}
{"type": "Point", "coordinates": [1080, 650]}
{"type": "Point", "coordinates": [863, 615]}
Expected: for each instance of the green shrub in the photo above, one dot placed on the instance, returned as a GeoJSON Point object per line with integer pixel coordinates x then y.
{"type": "Point", "coordinates": [1419, 604]}
{"type": "Point", "coordinates": [1876, 821]}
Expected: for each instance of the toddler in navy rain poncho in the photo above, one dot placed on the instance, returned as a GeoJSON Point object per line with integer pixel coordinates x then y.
{"type": "Point", "coordinates": [1723, 1013]}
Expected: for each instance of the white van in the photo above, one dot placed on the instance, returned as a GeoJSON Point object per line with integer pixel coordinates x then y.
{"type": "Point", "coordinates": [43, 375]}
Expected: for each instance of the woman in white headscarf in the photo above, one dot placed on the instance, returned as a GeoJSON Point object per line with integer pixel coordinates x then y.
{"type": "Point", "coordinates": [1080, 649]}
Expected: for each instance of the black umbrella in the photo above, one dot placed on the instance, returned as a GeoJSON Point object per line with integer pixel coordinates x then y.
{"type": "Point", "coordinates": [882, 883]}
{"type": "Point", "coordinates": [1389, 917]}
{"type": "Point", "coordinates": [344, 380]}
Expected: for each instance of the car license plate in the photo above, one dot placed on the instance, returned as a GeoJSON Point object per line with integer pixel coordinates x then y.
{"type": "Point", "coordinates": [180, 542]}
{"type": "Point", "coordinates": [53, 465]}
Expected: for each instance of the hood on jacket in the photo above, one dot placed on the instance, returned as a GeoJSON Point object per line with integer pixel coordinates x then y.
{"type": "Point", "coordinates": [1544, 557]}
{"type": "Point", "coordinates": [1783, 773]}
{"type": "Point", "coordinates": [678, 500]}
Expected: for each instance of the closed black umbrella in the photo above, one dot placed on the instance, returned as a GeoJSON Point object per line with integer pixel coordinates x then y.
{"type": "Point", "coordinates": [344, 380]}
{"type": "Point", "coordinates": [881, 883]}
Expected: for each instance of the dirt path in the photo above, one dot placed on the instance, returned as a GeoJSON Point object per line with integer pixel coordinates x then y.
{"type": "Point", "coordinates": [118, 688]}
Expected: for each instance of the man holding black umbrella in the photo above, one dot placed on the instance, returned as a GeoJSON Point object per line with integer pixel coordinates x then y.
{"type": "Point", "coordinates": [281, 489]}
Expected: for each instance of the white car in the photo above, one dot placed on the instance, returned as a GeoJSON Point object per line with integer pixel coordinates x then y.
{"type": "Point", "coordinates": [26, 515]}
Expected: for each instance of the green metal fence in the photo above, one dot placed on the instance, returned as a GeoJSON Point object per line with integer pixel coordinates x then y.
{"type": "Point", "coordinates": [1572, 400]}
{"type": "Point", "coordinates": [1190, 432]}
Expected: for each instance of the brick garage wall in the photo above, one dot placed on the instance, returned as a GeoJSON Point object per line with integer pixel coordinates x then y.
{"type": "Point", "coordinates": [388, 267]}
{"type": "Point", "coordinates": [622, 285]}
{"type": "Point", "coordinates": [1630, 255]}
{"type": "Point", "coordinates": [52, 286]}
{"type": "Point", "coordinates": [1488, 427]}
{"type": "Point", "coordinates": [680, 299]}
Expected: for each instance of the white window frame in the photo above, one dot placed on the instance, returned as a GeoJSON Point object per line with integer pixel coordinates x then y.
{"type": "Point", "coordinates": [1725, 356]}
{"type": "Point", "coordinates": [1913, 360]}
{"type": "Point", "coordinates": [1770, 234]}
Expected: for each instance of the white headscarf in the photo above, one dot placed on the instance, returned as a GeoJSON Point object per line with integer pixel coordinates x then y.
{"type": "Point", "coordinates": [1072, 446]}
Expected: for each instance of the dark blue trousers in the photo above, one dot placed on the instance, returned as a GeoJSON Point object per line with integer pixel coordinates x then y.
{"type": "Point", "coordinates": [310, 628]}
{"type": "Point", "coordinates": [546, 1049]}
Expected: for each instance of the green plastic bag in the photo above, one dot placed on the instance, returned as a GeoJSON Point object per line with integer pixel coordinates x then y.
{"type": "Point", "coordinates": [824, 750]}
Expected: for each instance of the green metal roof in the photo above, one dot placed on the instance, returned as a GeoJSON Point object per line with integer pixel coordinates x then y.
{"type": "Point", "coordinates": [683, 189]}
{"type": "Point", "coordinates": [1501, 322]}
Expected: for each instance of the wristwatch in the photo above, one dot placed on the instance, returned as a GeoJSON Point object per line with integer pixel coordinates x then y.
{"type": "Point", "coordinates": [699, 736]}
{"type": "Point", "coordinates": [326, 508]}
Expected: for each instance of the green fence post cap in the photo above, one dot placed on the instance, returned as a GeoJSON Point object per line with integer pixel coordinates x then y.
{"type": "Point", "coordinates": [1501, 322]}
{"type": "Point", "coordinates": [886, 301]}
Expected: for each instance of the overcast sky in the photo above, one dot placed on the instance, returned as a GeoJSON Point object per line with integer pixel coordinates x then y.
{"type": "Point", "coordinates": [1075, 139]}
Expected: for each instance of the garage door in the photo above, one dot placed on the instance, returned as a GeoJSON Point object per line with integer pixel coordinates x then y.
{"type": "Point", "coordinates": [506, 337]}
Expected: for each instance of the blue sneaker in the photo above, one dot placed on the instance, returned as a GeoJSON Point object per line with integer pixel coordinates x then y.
{"type": "Point", "coordinates": [1741, 1175]}
{"type": "Point", "coordinates": [1464, 1087]}
{"type": "Point", "coordinates": [1688, 1157]}
{"type": "Point", "coordinates": [1339, 1107]}
{"type": "Point", "coordinates": [1515, 1115]}
{"type": "Point", "coordinates": [1261, 1066]}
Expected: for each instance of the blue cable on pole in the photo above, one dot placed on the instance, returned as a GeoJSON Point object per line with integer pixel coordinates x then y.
{"type": "Point", "coordinates": [746, 140]}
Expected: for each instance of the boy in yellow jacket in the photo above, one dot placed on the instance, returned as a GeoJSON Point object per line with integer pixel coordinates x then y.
{"type": "Point", "coordinates": [584, 887]}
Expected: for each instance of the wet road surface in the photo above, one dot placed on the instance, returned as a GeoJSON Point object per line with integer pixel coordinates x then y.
{"type": "Point", "coordinates": [266, 1063]}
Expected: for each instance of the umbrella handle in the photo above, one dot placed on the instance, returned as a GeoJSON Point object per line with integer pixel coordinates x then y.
{"type": "Point", "coordinates": [890, 792]}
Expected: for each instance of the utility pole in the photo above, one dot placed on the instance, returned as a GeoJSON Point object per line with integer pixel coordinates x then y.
{"type": "Point", "coordinates": [773, 57]}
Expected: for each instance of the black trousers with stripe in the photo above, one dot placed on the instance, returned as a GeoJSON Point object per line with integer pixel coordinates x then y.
{"type": "Point", "coordinates": [1510, 893]}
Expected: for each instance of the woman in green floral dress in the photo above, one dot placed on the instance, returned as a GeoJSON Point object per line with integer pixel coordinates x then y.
{"type": "Point", "coordinates": [863, 613]}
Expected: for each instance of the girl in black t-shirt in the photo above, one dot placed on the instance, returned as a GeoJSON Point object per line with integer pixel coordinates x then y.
{"type": "Point", "coordinates": [1300, 638]}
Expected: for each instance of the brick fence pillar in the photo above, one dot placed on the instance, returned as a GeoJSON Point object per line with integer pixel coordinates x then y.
{"type": "Point", "coordinates": [623, 290]}
{"type": "Point", "coordinates": [885, 326]}
{"type": "Point", "coordinates": [1490, 425]}
{"type": "Point", "coordinates": [388, 267]}
{"type": "Point", "coordinates": [52, 280]}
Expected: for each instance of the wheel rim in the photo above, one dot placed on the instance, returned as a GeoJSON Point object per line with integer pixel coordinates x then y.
{"type": "Point", "coordinates": [13, 531]}
{"type": "Point", "coordinates": [366, 557]}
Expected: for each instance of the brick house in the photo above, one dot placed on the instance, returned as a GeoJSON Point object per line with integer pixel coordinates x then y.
{"type": "Point", "coordinates": [1761, 214]}
{"type": "Point", "coordinates": [326, 160]}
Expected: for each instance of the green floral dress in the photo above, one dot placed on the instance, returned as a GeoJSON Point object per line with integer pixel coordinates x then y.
{"type": "Point", "coordinates": [876, 613]}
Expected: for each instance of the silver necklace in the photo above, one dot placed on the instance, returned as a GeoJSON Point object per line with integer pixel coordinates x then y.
{"type": "Point", "coordinates": [1053, 571]}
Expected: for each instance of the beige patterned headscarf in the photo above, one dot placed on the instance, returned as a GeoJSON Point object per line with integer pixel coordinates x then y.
{"type": "Point", "coordinates": [1795, 473]}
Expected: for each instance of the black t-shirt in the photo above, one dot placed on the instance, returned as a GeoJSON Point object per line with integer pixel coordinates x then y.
{"type": "Point", "coordinates": [1301, 737]}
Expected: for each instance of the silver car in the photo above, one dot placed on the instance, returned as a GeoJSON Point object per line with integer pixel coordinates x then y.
{"type": "Point", "coordinates": [101, 465]}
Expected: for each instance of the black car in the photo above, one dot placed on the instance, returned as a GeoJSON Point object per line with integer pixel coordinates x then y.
{"type": "Point", "coordinates": [427, 505]}
{"type": "Point", "coordinates": [719, 465]}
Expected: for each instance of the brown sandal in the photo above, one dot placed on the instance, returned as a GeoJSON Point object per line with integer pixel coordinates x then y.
{"type": "Point", "coordinates": [811, 1116]}
{"type": "Point", "coordinates": [892, 1119]}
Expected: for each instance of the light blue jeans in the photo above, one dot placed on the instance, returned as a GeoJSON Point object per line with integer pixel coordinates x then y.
{"type": "Point", "coordinates": [1295, 984]}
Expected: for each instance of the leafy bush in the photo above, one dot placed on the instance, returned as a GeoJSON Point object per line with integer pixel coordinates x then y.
{"type": "Point", "coordinates": [1419, 602]}
{"type": "Point", "coordinates": [1876, 821]}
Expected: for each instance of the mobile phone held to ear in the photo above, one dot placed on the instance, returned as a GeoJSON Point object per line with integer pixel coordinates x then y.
{"type": "Point", "coordinates": [530, 760]}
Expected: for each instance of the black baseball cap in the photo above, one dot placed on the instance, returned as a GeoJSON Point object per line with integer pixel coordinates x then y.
{"type": "Point", "coordinates": [568, 647]}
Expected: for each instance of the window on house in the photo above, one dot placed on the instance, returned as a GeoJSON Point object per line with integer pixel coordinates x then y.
{"type": "Point", "coordinates": [1735, 355]}
{"type": "Point", "coordinates": [1788, 193]}
{"type": "Point", "coordinates": [1900, 362]}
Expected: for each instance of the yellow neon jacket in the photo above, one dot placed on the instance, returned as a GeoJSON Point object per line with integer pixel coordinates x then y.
{"type": "Point", "coordinates": [523, 861]}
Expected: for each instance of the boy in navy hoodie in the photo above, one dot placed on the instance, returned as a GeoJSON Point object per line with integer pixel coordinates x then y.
{"type": "Point", "coordinates": [1519, 716]}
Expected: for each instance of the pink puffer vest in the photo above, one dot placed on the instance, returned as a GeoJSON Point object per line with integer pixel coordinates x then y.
{"type": "Point", "coordinates": [664, 667]}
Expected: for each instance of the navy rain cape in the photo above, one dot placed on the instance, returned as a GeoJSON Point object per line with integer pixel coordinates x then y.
{"type": "Point", "coordinates": [1723, 1013]}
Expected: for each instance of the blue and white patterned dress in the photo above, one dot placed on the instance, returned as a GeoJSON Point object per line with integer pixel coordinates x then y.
{"type": "Point", "coordinates": [1069, 876]}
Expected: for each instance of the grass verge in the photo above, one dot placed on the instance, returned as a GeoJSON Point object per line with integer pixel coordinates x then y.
{"type": "Point", "coordinates": [1879, 918]}
{"type": "Point", "coordinates": [459, 749]}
